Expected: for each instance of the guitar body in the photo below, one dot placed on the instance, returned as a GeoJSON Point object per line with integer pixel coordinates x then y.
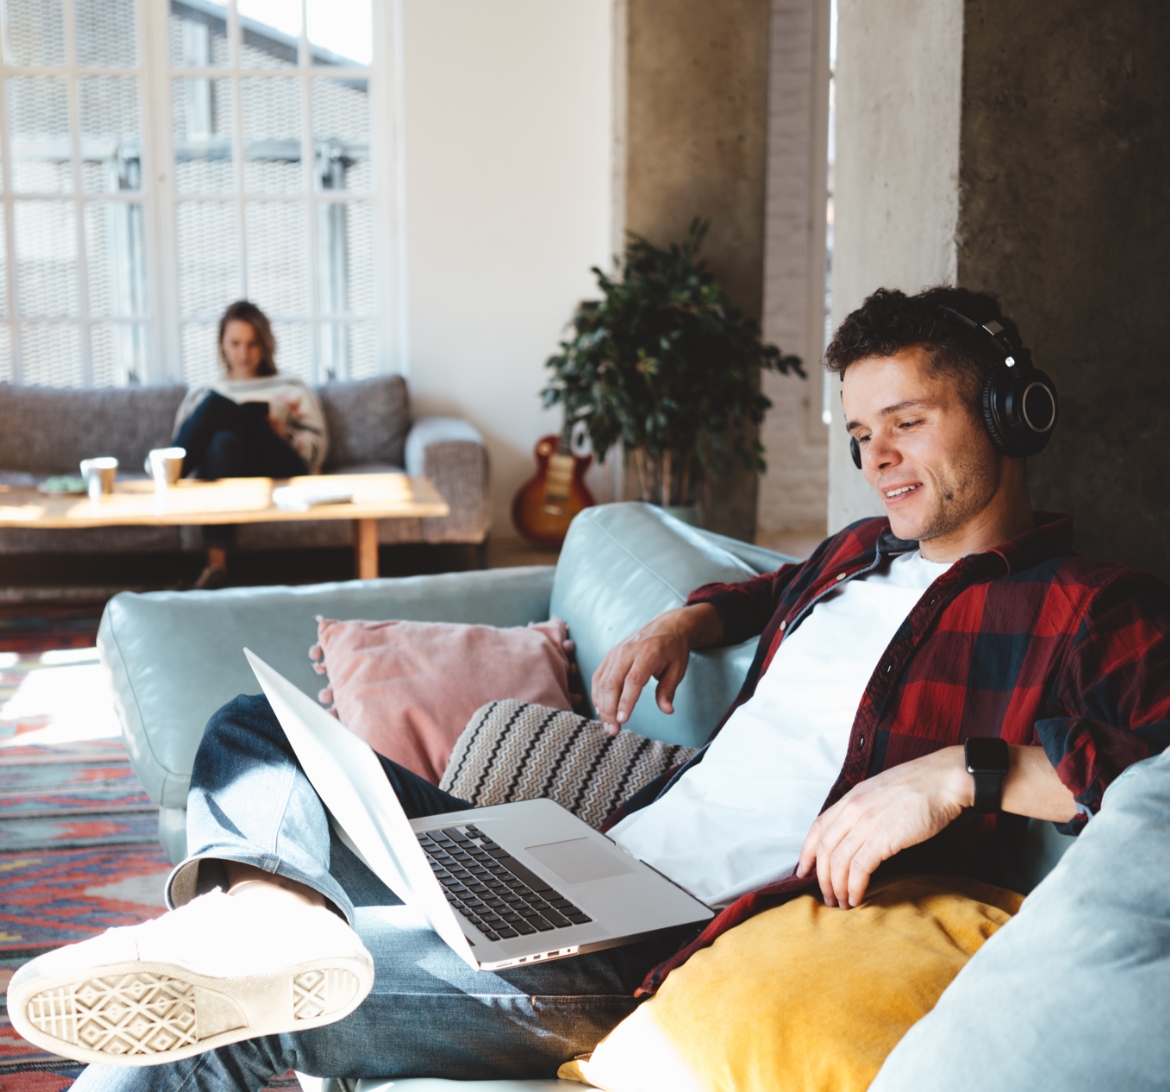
{"type": "Point", "coordinates": [545, 505]}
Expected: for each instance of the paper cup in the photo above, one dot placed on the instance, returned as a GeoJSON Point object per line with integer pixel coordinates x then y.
{"type": "Point", "coordinates": [99, 475]}
{"type": "Point", "coordinates": [166, 465]}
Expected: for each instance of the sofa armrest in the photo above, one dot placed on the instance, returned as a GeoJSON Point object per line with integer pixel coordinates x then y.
{"type": "Point", "coordinates": [173, 658]}
{"type": "Point", "coordinates": [452, 454]}
{"type": "Point", "coordinates": [429, 432]}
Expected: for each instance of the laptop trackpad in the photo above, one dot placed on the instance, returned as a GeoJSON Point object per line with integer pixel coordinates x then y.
{"type": "Point", "coordinates": [579, 860]}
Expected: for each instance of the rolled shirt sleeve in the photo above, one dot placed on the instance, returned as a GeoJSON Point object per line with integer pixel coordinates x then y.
{"type": "Point", "coordinates": [1114, 689]}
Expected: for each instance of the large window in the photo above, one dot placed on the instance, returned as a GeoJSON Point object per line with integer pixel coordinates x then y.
{"type": "Point", "coordinates": [164, 157]}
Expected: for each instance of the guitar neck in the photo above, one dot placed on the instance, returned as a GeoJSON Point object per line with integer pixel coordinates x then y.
{"type": "Point", "coordinates": [565, 441]}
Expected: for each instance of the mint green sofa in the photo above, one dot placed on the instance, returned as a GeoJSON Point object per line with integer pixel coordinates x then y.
{"type": "Point", "coordinates": [175, 657]}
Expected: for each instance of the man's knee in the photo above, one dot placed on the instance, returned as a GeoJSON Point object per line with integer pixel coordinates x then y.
{"type": "Point", "coordinates": [245, 715]}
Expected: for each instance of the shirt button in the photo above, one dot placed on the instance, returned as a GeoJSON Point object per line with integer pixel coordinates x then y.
{"type": "Point", "coordinates": [861, 743]}
{"type": "Point", "coordinates": [783, 626]}
{"type": "Point", "coordinates": [841, 576]}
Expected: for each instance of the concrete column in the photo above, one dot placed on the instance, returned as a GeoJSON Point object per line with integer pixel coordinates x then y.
{"type": "Point", "coordinates": [792, 493]}
{"type": "Point", "coordinates": [896, 200]}
{"type": "Point", "coordinates": [695, 130]}
{"type": "Point", "coordinates": [1065, 161]}
{"type": "Point", "coordinates": [1022, 150]}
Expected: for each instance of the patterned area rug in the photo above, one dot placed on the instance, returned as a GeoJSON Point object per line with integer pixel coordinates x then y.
{"type": "Point", "coordinates": [79, 850]}
{"type": "Point", "coordinates": [39, 627]}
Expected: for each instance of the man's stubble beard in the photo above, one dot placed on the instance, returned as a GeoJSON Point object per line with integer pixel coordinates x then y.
{"type": "Point", "coordinates": [964, 490]}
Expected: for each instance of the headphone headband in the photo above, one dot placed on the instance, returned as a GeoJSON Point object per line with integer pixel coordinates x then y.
{"type": "Point", "coordinates": [998, 335]}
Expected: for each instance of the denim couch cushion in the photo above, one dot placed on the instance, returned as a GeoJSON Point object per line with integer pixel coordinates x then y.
{"type": "Point", "coordinates": [1072, 993]}
{"type": "Point", "coordinates": [624, 563]}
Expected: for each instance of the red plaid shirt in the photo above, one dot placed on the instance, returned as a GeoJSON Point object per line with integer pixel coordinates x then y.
{"type": "Point", "coordinates": [1028, 642]}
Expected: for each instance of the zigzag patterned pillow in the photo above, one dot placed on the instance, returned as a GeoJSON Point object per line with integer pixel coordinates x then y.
{"type": "Point", "coordinates": [511, 750]}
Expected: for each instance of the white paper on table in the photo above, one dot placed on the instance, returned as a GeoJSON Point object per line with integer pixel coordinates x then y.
{"type": "Point", "coordinates": [300, 498]}
{"type": "Point", "coordinates": [351, 783]}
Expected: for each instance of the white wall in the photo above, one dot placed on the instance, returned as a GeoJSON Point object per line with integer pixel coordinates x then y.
{"type": "Point", "coordinates": [896, 199]}
{"type": "Point", "coordinates": [506, 149]}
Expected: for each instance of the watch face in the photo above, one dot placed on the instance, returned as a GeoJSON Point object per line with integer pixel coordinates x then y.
{"type": "Point", "coordinates": [986, 754]}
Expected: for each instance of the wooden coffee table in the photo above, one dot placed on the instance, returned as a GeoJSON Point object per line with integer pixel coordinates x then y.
{"type": "Point", "coordinates": [233, 500]}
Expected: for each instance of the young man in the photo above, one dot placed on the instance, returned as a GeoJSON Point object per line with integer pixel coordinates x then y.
{"type": "Point", "coordinates": [961, 615]}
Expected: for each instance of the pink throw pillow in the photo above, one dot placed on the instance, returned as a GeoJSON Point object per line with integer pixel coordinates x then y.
{"type": "Point", "coordinates": [409, 688]}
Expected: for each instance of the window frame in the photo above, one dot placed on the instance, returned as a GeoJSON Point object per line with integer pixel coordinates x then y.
{"type": "Point", "coordinates": [160, 201]}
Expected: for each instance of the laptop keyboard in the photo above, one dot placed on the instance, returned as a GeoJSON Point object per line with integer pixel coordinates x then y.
{"type": "Point", "coordinates": [493, 890]}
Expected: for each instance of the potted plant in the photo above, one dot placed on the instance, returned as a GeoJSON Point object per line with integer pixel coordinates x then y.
{"type": "Point", "coordinates": [664, 366]}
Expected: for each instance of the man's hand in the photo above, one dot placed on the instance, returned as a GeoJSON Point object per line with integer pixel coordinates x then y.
{"type": "Point", "coordinates": [907, 804]}
{"type": "Point", "coordinates": [660, 650]}
{"type": "Point", "coordinates": [278, 426]}
{"type": "Point", "coordinates": [883, 815]}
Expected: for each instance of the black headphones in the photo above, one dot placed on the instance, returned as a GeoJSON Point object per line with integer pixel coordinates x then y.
{"type": "Point", "coordinates": [1018, 400]}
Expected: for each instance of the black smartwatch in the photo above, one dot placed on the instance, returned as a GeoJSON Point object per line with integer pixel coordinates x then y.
{"type": "Point", "coordinates": [987, 762]}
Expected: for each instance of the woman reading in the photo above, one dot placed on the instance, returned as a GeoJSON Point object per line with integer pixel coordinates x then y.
{"type": "Point", "coordinates": [252, 422]}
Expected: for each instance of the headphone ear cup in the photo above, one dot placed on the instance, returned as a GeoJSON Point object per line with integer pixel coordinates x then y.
{"type": "Point", "coordinates": [1019, 408]}
{"type": "Point", "coordinates": [990, 402]}
{"type": "Point", "coordinates": [855, 451]}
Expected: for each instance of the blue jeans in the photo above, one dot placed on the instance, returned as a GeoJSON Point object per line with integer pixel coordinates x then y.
{"type": "Point", "coordinates": [429, 1014]}
{"type": "Point", "coordinates": [226, 440]}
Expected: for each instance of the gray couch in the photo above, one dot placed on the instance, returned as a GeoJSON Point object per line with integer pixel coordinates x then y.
{"type": "Point", "coordinates": [174, 657]}
{"type": "Point", "coordinates": [48, 431]}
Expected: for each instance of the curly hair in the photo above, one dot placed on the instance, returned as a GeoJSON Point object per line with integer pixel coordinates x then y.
{"type": "Point", "coordinates": [245, 311]}
{"type": "Point", "coordinates": [889, 321]}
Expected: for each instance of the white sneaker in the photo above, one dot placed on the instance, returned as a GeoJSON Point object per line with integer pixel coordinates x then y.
{"type": "Point", "coordinates": [220, 969]}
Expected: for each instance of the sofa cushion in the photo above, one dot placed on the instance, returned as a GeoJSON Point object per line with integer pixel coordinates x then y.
{"type": "Point", "coordinates": [803, 997]}
{"type": "Point", "coordinates": [409, 688]}
{"type": "Point", "coordinates": [368, 420]}
{"type": "Point", "coordinates": [511, 750]}
{"type": "Point", "coordinates": [621, 564]}
{"type": "Point", "coordinates": [49, 431]}
{"type": "Point", "coordinates": [1071, 994]}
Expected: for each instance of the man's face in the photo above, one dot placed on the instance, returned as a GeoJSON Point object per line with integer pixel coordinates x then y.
{"type": "Point", "coordinates": [932, 463]}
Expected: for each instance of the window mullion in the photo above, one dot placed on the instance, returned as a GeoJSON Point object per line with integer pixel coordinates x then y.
{"type": "Point", "coordinates": [387, 165]}
{"type": "Point", "coordinates": [235, 44]}
{"type": "Point", "coordinates": [73, 107]}
{"type": "Point", "coordinates": [309, 159]}
{"type": "Point", "coordinates": [159, 193]}
{"type": "Point", "coordinates": [14, 330]}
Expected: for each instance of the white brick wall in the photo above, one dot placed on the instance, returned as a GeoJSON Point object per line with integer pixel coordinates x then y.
{"type": "Point", "coordinates": [794, 491]}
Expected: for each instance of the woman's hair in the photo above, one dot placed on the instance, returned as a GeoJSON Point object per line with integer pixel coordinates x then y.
{"type": "Point", "coordinates": [243, 311]}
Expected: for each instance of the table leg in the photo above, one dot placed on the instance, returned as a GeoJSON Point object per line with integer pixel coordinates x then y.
{"type": "Point", "coordinates": [365, 548]}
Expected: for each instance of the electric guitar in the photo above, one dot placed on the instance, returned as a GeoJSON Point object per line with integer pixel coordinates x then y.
{"type": "Point", "coordinates": [545, 505]}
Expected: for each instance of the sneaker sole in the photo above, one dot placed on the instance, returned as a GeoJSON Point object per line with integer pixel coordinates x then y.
{"type": "Point", "coordinates": [143, 1013]}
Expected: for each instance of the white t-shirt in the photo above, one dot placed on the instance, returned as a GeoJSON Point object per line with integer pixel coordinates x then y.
{"type": "Point", "coordinates": [737, 820]}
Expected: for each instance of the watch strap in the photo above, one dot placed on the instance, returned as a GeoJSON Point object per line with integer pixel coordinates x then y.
{"type": "Point", "coordinates": [987, 763]}
{"type": "Point", "coordinates": [988, 790]}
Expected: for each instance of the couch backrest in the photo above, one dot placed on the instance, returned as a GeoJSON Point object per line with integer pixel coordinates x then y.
{"type": "Point", "coordinates": [624, 563]}
{"type": "Point", "coordinates": [368, 421]}
{"type": "Point", "coordinates": [47, 430]}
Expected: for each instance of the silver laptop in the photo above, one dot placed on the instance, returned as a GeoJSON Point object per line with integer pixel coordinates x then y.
{"type": "Point", "coordinates": [503, 885]}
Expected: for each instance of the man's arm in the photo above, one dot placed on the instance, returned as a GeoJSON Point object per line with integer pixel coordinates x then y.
{"type": "Point", "coordinates": [912, 802]}
{"type": "Point", "coordinates": [661, 649]}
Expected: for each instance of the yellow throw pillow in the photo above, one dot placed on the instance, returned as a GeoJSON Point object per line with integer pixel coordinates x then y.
{"type": "Point", "coordinates": [801, 997]}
